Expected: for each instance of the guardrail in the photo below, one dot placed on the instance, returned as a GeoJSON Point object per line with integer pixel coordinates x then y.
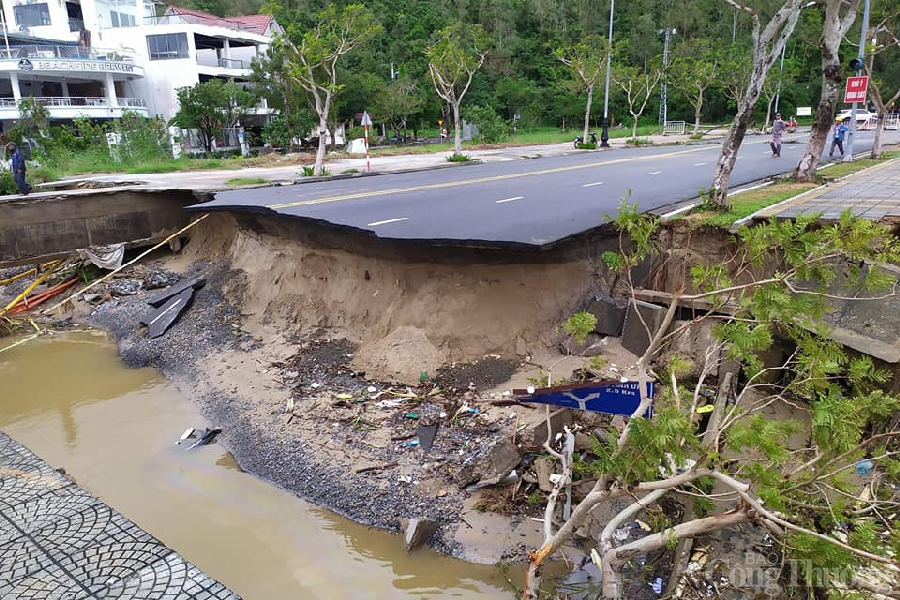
{"type": "Point", "coordinates": [91, 102]}
{"type": "Point", "coordinates": [892, 121]}
{"type": "Point", "coordinates": [73, 52]}
{"type": "Point", "coordinates": [673, 128]}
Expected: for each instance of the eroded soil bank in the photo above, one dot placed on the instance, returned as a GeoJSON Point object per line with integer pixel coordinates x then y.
{"type": "Point", "coordinates": [367, 341]}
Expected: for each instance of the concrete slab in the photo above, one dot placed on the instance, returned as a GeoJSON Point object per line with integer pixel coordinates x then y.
{"type": "Point", "coordinates": [57, 541]}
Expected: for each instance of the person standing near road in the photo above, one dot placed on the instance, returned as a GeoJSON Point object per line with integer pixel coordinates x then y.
{"type": "Point", "coordinates": [778, 127]}
{"type": "Point", "coordinates": [18, 168]}
{"type": "Point", "coordinates": [837, 137]}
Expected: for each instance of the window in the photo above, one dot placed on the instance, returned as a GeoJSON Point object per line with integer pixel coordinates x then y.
{"type": "Point", "coordinates": [121, 19]}
{"type": "Point", "coordinates": [32, 15]}
{"type": "Point", "coordinates": [114, 18]}
{"type": "Point", "coordinates": [168, 46]}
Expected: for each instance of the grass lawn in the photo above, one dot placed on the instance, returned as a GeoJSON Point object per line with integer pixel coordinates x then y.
{"type": "Point", "coordinates": [236, 181]}
{"type": "Point", "coordinates": [523, 137]}
{"type": "Point", "coordinates": [743, 205]}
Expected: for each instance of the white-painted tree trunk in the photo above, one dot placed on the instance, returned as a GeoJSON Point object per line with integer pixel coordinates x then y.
{"type": "Point", "coordinates": [457, 130]}
{"type": "Point", "coordinates": [323, 143]}
{"type": "Point", "coordinates": [835, 28]}
{"type": "Point", "coordinates": [587, 113]}
{"type": "Point", "coordinates": [698, 108]}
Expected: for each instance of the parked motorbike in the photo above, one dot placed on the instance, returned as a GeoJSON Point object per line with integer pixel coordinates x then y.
{"type": "Point", "coordinates": [580, 140]}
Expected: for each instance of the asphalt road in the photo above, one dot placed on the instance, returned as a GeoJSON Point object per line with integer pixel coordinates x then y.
{"type": "Point", "coordinates": [526, 202]}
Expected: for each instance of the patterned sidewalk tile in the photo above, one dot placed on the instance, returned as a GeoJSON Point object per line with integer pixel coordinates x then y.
{"type": "Point", "coordinates": [95, 525]}
{"type": "Point", "coordinates": [20, 558]}
{"type": "Point", "coordinates": [57, 542]}
{"type": "Point", "coordinates": [47, 508]}
{"type": "Point", "coordinates": [50, 583]}
{"type": "Point", "coordinates": [25, 476]}
{"type": "Point", "coordinates": [95, 566]}
{"type": "Point", "coordinates": [172, 578]}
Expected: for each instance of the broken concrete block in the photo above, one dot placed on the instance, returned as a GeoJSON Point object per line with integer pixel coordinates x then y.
{"type": "Point", "coordinates": [534, 435]}
{"type": "Point", "coordinates": [490, 463]}
{"type": "Point", "coordinates": [417, 532]}
{"type": "Point", "coordinates": [691, 346]}
{"type": "Point", "coordinates": [543, 467]}
{"type": "Point", "coordinates": [635, 338]}
{"type": "Point", "coordinates": [610, 315]}
{"type": "Point", "coordinates": [592, 346]}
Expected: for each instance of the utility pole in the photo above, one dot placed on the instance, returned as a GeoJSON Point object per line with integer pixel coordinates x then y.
{"type": "Point", "coordinates": [861, 57]}
{"type": "Point", "coordinates": [604, 134]}
{"type": "Point", "coordinates": [734, 27]}
{"type": "Point", "coordinates": [663, 91]}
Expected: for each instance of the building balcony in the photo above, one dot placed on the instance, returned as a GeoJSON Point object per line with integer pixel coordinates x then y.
{"type": "Point", "coordinates": [223, 67]}
{"type": "Point", "coordinates": [67, 59]}
{"type": "Point", "coordinates": [77, 107]}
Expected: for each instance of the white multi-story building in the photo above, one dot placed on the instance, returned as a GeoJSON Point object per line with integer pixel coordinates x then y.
{"type": "Point", "coordinates": [97, 58]}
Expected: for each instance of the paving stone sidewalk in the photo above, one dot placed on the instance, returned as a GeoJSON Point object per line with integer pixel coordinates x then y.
{"type": "Point", "coordinates": [873, 193]}
{"type": "Point", "coordinates": [58, 542]}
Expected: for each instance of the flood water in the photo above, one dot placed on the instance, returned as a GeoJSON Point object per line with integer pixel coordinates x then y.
{"type": "Point", "coordinates": [70, 400]}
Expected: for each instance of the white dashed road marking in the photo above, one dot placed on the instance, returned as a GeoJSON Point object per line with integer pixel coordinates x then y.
{"type": "Point", "coordinates": [386, 221]}
{"type": "Point", "coordinates": [699, 164]}
{"type": "Point", "coordinates": [510, 199]}
{"type": "Point", "coordinates": [656, 173]}
{"type": "Point", "coordinates": [593, 184]}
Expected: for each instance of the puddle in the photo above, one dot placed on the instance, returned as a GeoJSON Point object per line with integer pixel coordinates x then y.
{"type": "Point", "coordinates": [72, 401]}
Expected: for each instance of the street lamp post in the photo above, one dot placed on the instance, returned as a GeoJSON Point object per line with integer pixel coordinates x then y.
{"type": "Point", "coordinates": [604, 134]}
{"type": "Point", "coordinates": [848, 156]}
{"type": "Point", "coordinates": [780, 72]}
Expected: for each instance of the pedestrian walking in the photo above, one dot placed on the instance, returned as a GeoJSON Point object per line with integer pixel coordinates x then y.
{"type": "Point", "coordinates": [18, 168]}
{"type": "Point", "coordinates": [778, 127]}
{"type": "Point", "coordinates": [837, 137]}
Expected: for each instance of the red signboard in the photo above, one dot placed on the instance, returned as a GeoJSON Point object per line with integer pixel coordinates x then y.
{"type": "Point", "coordinates": [856, 89]}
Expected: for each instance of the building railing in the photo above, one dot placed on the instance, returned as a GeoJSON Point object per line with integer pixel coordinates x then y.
{"type": "Point", "coordinates": [183, 19]}
{"type": "Point", "coordinates": [77, 101]}
{"type": "Point", "coordinates": [225, 63]}
{"type": "Point", "coordinates": [73, 52]}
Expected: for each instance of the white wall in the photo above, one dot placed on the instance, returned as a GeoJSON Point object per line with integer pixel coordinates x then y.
{"type": "Point", "coordinates": [161, 77]}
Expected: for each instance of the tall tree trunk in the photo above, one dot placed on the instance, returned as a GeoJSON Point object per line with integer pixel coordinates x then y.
{"type": "Point", "coordinates": [698, 107]}
{"type": "Point", "coordinates": [730, 148]}
{"type": "Point", "coordinates": [769, 103]}
{"type": "Point", "coordinates": [587, 113]}
{"type": "Point", "coordinates": [457, 130]}
{"type": "Point", "coordinates": [634, 126]}
{"type": "Point", "coordinates": [833, 77]}
{"type": "Point", "coordinates": [836, 27]}
{"type": "Point", "coordinates": [879, 128]}
{"type": "Point", "coordinates": [323, 142]}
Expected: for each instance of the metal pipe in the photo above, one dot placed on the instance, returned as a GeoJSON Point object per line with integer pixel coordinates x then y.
{"type": "Point", "coordinates": [848, 155]}
{"type": "Point", "coordinates": [604, 134]}
{"type": "Point", "coordinates": [780, 72]}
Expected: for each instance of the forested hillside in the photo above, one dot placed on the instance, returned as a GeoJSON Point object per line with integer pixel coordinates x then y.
{"type": "Point", "coordinates": [522, 76]}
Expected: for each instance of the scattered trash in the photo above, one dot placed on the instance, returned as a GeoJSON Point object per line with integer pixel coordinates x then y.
{"type": "Point", "coordinates": [864, 467]}
{"type": "Point", "coordinates": [611, 397]}
{"type": "Point", "coordinates": [160, 320]}
{"type": "Point", "coordinates": [125, 287]}
{"type": "Point", "coordinates": [643, 525]}
{"type": "Point", "coordinates": [106, 257]}
{"type": "Point", "coordinates": [423, 377]}
{"type": "Point", "coordinates": [202, 436]}
{"type": "Point", "coordinates": [344, 396]}
{"type": "Point", "coordinates": [656, 585]}
{"type": "Point", "coordinates": [371, 389]}
{"type": "Point", "coordinates": [411, 415]}
{"type": "Point", "coordinates": [706, 408]}
{"type": "Point", "coordinates": [411, 443]}
{"type": "Point", "coordinates": [623, 533]}
{"type": "Point", "coordinates": [388, 403]}
{"type": "Point", "coordinates": [441, 493]}
{"type": "Point", "coordinates": [426, 435]}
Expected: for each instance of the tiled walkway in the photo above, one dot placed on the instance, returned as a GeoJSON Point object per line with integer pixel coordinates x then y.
{"type": "Point", "coordinates": [873, 193]}
{"type": "Point", "coordinates": [57, 542]}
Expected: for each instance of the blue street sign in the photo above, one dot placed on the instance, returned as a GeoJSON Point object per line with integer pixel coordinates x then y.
{"type": "Point", "coordinates": [613, 398]}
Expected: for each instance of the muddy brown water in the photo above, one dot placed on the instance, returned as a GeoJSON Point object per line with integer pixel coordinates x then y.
{"type": "Point", "coordinates": [72, 401]}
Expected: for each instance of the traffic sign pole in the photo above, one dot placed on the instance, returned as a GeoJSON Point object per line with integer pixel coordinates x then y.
{"type": "Point", "coordinates": [366, 121]}
{"type": "Point", "coordinates": [848, 156]}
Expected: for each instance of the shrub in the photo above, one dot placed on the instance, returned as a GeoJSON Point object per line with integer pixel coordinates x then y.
{"type": "Point", "coordinates": [458, 158]}
{"type": "Point", "coordinates": [491, 127]}
{"type": "Point", "coordinates": [586, 146]}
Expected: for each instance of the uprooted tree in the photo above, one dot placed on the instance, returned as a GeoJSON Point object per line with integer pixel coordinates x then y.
{"type": "Point", "coordinates": [767, 43]}
{"type": "Point", "coordinates": [313, 55]}
{"type": "Point", "coordinates": [585, 59]}
{"type": "Point", "coordinates": [453, 59]}
{"type": "Point", "coordinates": [823, 488]}
{"type": "Point", "coordinates": [839, 16]}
